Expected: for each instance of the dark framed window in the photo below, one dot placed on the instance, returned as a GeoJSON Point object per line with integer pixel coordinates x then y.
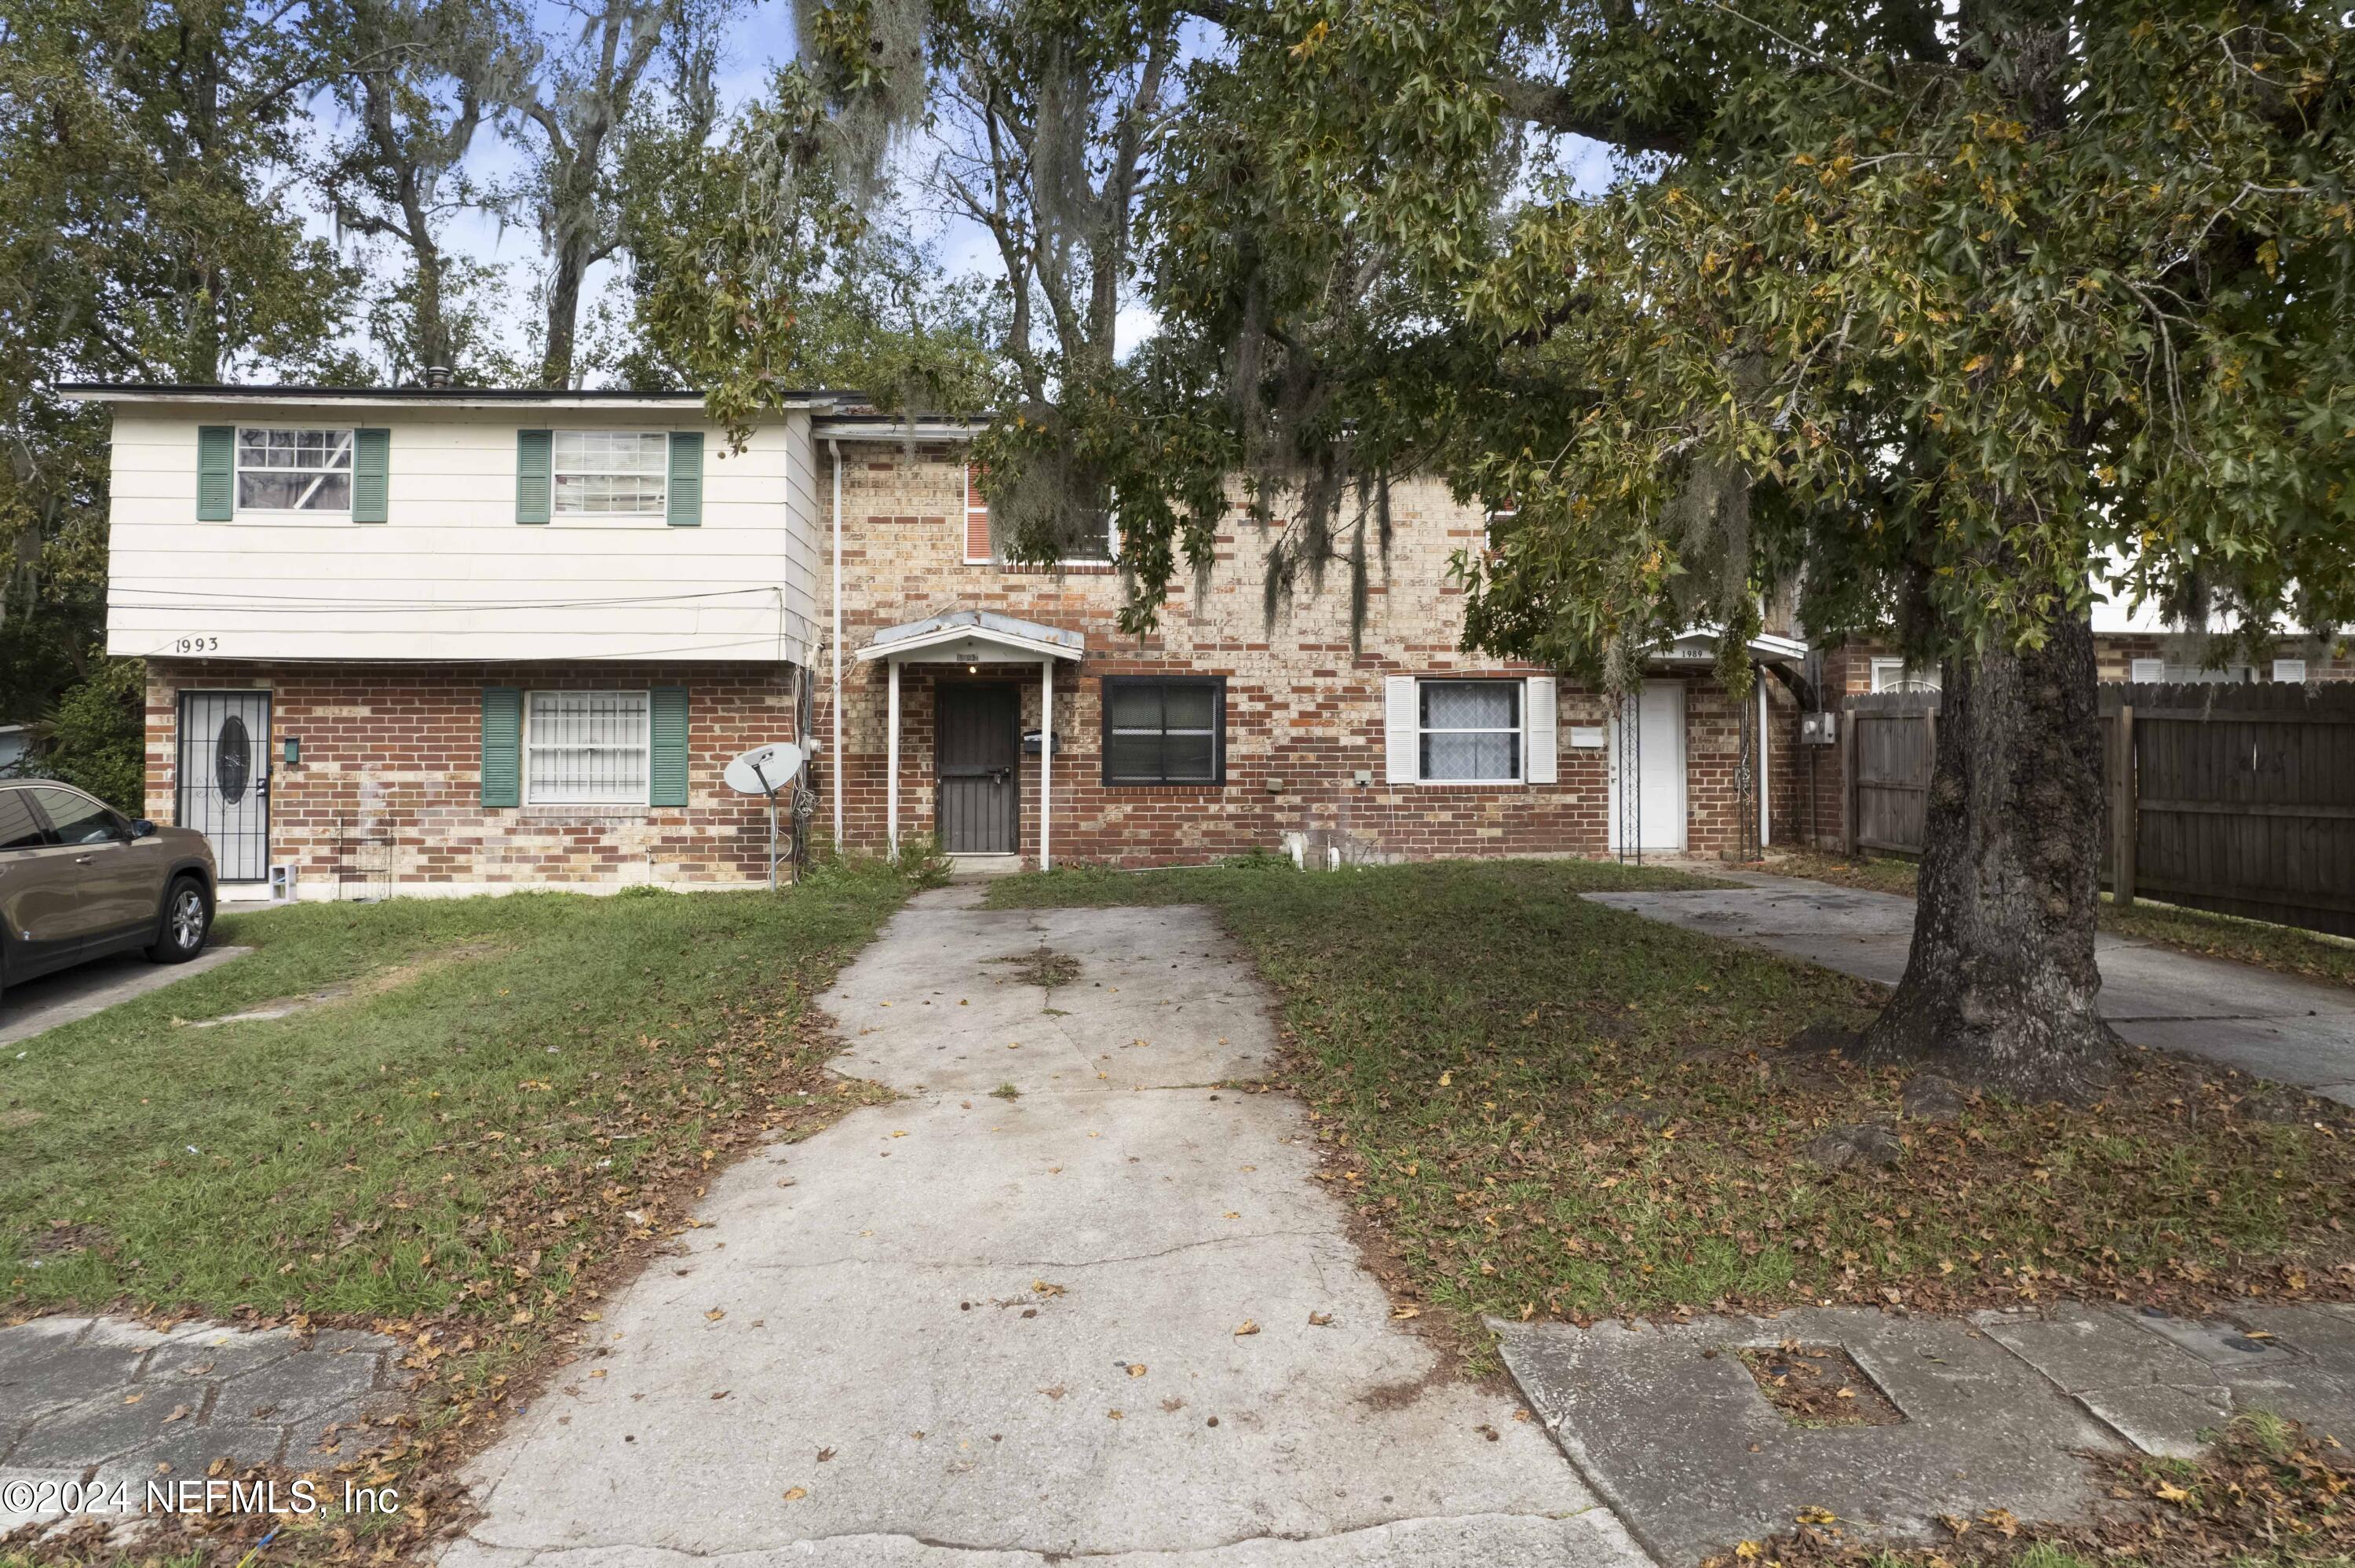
{"type": "Point", "coordinates": [1165, 729]}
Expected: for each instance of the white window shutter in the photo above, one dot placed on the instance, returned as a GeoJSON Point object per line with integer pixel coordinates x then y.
{"type": "Point", "coordinates": [1399, 728]}
{"type": "Point", "coordinates": [1538, 742]}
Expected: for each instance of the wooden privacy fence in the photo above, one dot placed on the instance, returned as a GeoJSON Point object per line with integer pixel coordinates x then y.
{"type": "Point", "coordinates": [2238, 798]}
{"type": "Point", "coordinates": [1887, 742]}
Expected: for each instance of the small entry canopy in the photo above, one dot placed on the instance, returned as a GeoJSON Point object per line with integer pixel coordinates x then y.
{"type": "Point", "coordinates": [1698, 645]}
{"type": "Point", "coordinates": [974, 636]}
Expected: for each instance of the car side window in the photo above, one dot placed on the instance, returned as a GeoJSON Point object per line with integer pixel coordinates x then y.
{"type": "Point", "coordinates": [20, 828]}
{"type": "Point", "coordinates": [78, 819]}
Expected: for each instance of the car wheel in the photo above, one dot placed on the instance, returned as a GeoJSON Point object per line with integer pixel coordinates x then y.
{"type": "Point", "coordinates": [185, 922]}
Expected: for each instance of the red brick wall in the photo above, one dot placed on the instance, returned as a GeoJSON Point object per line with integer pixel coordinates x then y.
{"type": "Point", "coordinates": [1303, 714]}
{"type": "Point", "coordinates": [388, 792]}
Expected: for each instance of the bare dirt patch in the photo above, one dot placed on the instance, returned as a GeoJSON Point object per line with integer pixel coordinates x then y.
{"type": "Point", "coordinates": [63, 1240]}
{"type": "Point", "coordinates": [1819, 1385]}
{"type": "Point", "coordinates": [391, 978]}
{"type": "Point", "coordinates": [1042, 966]}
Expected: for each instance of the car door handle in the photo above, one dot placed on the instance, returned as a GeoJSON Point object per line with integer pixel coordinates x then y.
{"type": "Point", "coordinates": [82, 860]}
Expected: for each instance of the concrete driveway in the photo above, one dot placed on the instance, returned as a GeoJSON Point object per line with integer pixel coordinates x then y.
{"type": "Point", "coordinates": [2274, 1026]}
{"type": "Point", "coordinates": [1067, 1298]}
{"type": "Point", "coordinates": [35, 1006]}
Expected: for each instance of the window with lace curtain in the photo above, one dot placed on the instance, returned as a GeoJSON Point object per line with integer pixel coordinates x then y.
{"type": "Point", "coordinates": [1470, 731]}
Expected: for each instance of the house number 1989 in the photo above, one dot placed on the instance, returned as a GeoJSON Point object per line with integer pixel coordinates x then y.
{"type": "Point", "coordinates": [196, 646]}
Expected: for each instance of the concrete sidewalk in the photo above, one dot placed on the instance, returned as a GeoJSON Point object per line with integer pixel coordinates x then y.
{"type": "Point", "coordinates": [1995, 1410]}
{"type": "Point", "coordinates": [2272, 1027]}
{"type": "Point", "coordinates": [1067, 1297]}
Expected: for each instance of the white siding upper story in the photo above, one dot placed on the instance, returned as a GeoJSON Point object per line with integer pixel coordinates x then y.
{"type": "Point", "coordinates": [451, 574]}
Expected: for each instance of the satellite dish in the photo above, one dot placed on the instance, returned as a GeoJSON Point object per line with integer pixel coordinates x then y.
{"type": "Point", "coordinates": [764, 769]}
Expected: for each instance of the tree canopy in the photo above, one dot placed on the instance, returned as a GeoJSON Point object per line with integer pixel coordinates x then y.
{"type": "Point", "coordinates": [1947, 319]}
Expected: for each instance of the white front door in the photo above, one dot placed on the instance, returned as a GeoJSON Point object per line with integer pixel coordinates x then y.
{"type": "Point", "coordinates": [224, 777]}
{"type": "Point", "coordinates": [1659, 730]}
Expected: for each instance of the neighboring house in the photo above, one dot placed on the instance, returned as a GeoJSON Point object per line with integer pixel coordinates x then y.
{"type": "Point", "coordinates": [454, 640]}
{"type": "Point", "coordinates": [2129, 644]}
{"type": "Point", "coordinates": [14, 745]}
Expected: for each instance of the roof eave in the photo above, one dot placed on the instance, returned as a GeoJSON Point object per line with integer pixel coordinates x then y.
{"type": "Point", "coordinates": [422, 396]}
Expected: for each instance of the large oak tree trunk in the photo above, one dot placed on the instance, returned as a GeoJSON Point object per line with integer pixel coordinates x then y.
{"type": "Point", "coordinates": [1999, 991]}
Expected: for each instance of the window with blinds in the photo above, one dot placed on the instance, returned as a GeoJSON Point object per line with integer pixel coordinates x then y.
{"type": "Point", "coordinates": [1165, 729]}
{"type": "Point", "coordinates": [587, 748]}
{"type": "Point", "coordinates": [611, 473]}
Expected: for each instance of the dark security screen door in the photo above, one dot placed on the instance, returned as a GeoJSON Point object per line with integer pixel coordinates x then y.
{"type": "Point", "coordinates": [980, 766]}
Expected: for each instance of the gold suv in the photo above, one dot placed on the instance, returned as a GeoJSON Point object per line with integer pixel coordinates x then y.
{"type": "Point", "coordinates": [79, 881]}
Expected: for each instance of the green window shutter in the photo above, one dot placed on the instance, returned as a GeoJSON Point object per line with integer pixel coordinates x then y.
{"type": "Point", "coordinates": [216, 482]}
{"type": "Point", "coordinates": [502, 747]}
{"type": "Point", "coordinates": [666, 777]}
{"type": "Point", "coordinates": [372, 474]}
{"type": "Point", "coordinates": [535, 461]}
{"type": "Point", "coordinates": [686, 478]}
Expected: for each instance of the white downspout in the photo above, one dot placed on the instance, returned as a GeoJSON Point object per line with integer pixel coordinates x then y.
{"type": "Point", "coordinates": [841, 773]}
{"type": "Point", "coordinates": [1046, 757]}
{"type": "Point", "coordinates": [1766, 772]}
{"type": "Point", "coordinates": [891, 767]}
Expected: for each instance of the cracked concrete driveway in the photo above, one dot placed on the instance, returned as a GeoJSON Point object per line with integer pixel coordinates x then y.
{"type": "Point", "coordinates": [1067, 1298]}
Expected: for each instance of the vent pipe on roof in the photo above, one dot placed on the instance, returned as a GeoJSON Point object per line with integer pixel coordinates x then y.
{"type": "Point", "coordinates": [438, 376]}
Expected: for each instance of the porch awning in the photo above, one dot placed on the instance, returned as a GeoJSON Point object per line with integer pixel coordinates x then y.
{"type": "Point", "coordinates": [975, 636]}
{"type": "Point", "coordinates": [1698, 646]}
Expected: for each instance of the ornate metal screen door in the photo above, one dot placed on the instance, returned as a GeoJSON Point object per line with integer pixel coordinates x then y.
{"type": "Point", "coordinates": [1627, 778]}
{"type": "Point", "coordinates": [224, 777]}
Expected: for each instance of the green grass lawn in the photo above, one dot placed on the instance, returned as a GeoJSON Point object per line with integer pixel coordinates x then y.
{"type": "Point", "coordinates": [1552, 1107]}
{"type": "Point", "coordinates": [2283, 948]}
{"type": "Point", "coordinates": [487, 1113]}
{"type": "Point", "coordinates": [491, 1090]}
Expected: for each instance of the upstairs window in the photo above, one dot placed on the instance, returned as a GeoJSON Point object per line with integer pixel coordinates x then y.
{"type": "Point", "coordinates": [611, 473]}
{"type": "Point", "coordinates": [282, 469]}
{"type": "Point", "coordinates": [1091, 539]}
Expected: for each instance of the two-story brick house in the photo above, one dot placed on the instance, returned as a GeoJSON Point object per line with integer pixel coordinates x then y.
{"type": "Point", "coordinates": [1220, 734]}
{"type": "Point", "coordinates": [449, 640]}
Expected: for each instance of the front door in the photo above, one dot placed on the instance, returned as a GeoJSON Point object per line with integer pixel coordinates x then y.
{"type": "Point", "coordinates": [225, 777]}
{"type": "Point", "coordinates": [979, 731]}
{"type": "Point", "coordinates": [1659, 720]}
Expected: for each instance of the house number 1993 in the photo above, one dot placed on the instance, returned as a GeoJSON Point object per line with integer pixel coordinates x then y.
{"type": "Point", "coordinates": [196, 646]}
